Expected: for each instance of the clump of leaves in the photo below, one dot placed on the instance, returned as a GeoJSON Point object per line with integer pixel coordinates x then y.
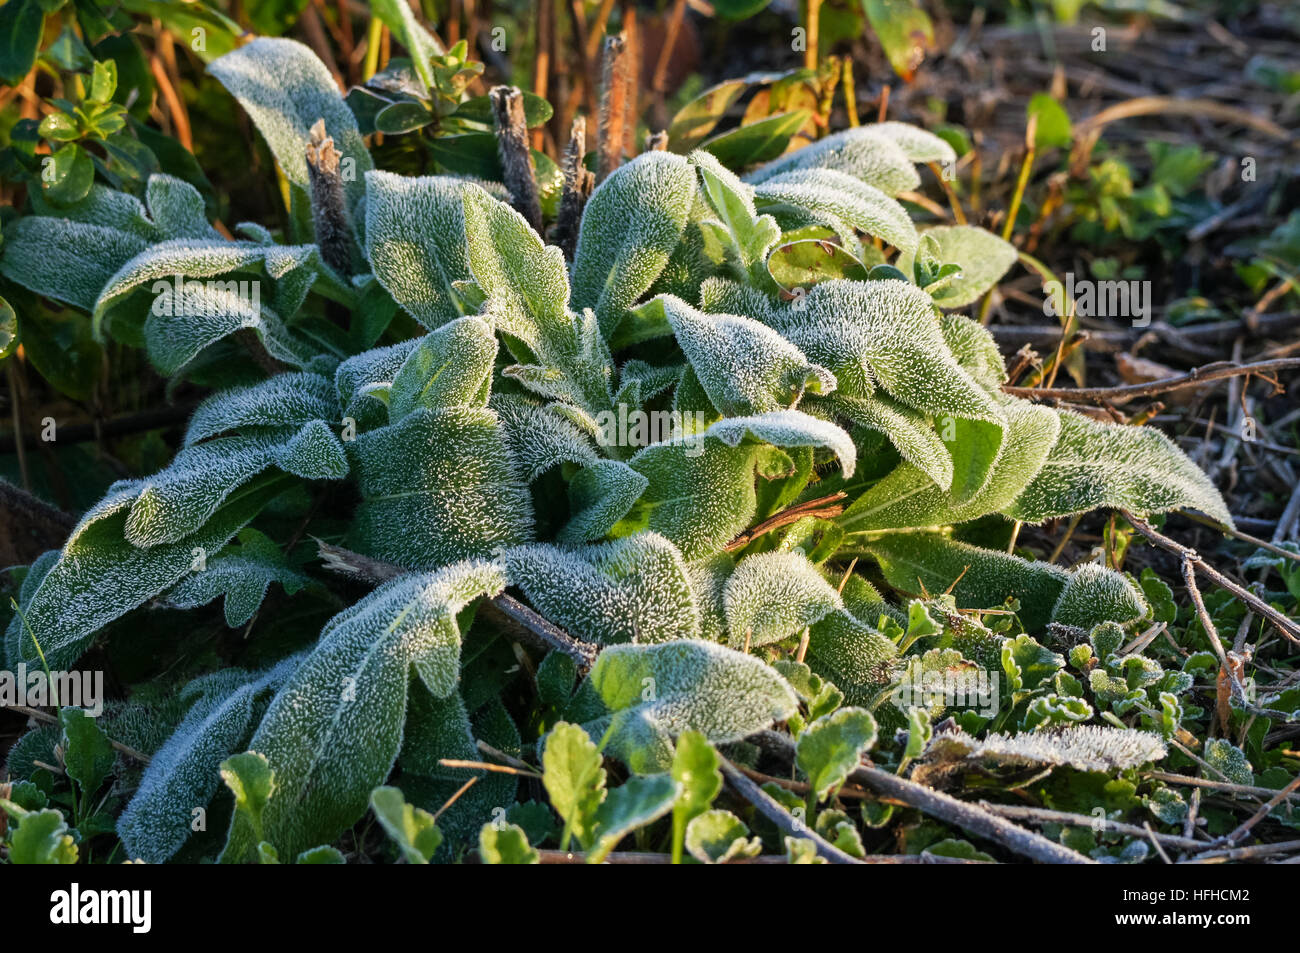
{"type": "Point", "coordinates": [596, 435]}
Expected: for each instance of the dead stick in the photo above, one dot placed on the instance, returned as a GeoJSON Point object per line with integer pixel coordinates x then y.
{"type": "Point", "coordinates": [613, 106]}
{"type": "Point", "coordinates": [516, 158]}
{"type": "Point", "coordinates": [1220, 370]}
{"type": "Point", "coordinates": [774, 812]}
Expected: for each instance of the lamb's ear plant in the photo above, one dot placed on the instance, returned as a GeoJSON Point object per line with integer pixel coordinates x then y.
{"type": "Point", "coordinates": [598, 436]}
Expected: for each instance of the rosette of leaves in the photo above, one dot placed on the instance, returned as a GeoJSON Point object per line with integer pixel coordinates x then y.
{"type": "Point", "coordinates": [509, 446]}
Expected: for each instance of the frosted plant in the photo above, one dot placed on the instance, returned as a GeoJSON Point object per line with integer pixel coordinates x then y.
{"type": "Point", "coordinates": [505, 447]}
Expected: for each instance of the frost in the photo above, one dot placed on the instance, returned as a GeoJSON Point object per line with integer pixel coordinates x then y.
{"type": "Point", "coordinates": [772, 596]}
{"type": "Point", "coordinates": [243, 574]}
{"type": "Point", "coordinates": [333, 732]}
{"type": "Point", "coordinates": [862, 152]}
{"type": "Point", "coordinates": [356, 374]}
{"type": "Point", "coordinates": [437, 486]}
{"type": "Point", "coordinates": [1082, 747]}
{"type": "Point", "coordinates": [984, 258]}
{"type": "Point", "coordinates": [66, 260]}
{"type": "Point", "coordinates": [285, 400]}
{"type": "Point", "coordinates": [788, 428]}
{"type": "Point", "coordinates": [177, 208]}
{"type": "Point", "coordinates": [917, 144]}
{"type": "Point", "coordinates": [100, 576]}
{"type": "Point", "coordinates": [1095, 594]}
{"type": "Point", "coordinates": [1097, 465]}
{"type": "Point", "coordinates": [744, 235]}
{"type": "Point", "coordinates": [105, 207]}
{"type": "Point", "coordinates": [540, 438]}
{"type": "Point", "coordinates": [286, 89]}
{"type": "Point", "coordinates": [716, 837]}
{"type": "Point", "coordinates": [634, 589]}
{"type": "Point", "coordinates": [839, 200]}
{"type": "Point", "coordinates": [745, 367]}
{"type": "Point", "coordinates": [450, 367]}
{"type": "Point", "coordinates": [599, 496]}
{"type": "Point", "coordinates": [415, 241]}
{"type": "Point", "coordinates": [975, 349]}
{"type": "Point", "coordinates": [663, 690]}
{"type": "Point", "coordinates": [630, 226]}
{"type": "Point", "coordinates": [182, 775]}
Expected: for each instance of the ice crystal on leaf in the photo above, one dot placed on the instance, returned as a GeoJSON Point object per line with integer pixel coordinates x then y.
{"type": "Point", "coordinates": [1083, 747]}
{"type": "Point", "coordinates": [771, 596]}
{"type": "Point", "coordinates": [866, 153]}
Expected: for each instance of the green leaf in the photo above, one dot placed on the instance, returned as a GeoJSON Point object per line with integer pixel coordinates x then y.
{"type": "Point", "coordinates": [874, 154]}
{"type": "Point", "coordinates": [659, 691]}
{"type": "Point", "coordinates": [537, 110]}
{"type": "Point", "coordinates": [904, 30]}
{"type": "Point", "coordinates": [1097, 465]}
{"type": "Point", "coordinates": [694, 121]}
{"type": "Point", "coordinates": [321, 855]}
{"type": "Point", "coordinates": [450, 367]}
{"type": "Point", "coordinates": [398, 16]}
{"type": "Point", "coordinates": [41, 837]}
{"type": "Point", "coordinates": [630, 226]}
{"type": "Point", "coordinates": [415, 242]}
{"type": "Point", "coordinates": [251, 780]}
{"type": "Point", "coordinates": [1053, 130]}
{"type": "Point", "coordinates": [1095, 594]}
{"type": "Point", "coordinates": [758, 141]}
{"type": "Point", "coordinates": [87, 755]}
{"type": "Point", "coordinates": [839, 201]}
{"type": "Point", "coordinates": [575, 781]}
{"type": "Point", "coordinates": [411, 828]}
{"type": "Point", "coordinates": [505, 844]}
{"type": "Point", "coordinates": [715, 837]}
{"type": "Point", "coordinates": [803, 264]}
{"type": "Point", "coordinates": [745, 236]}
{"type": "Point", "coordinates": [21, 24]}
{"type": "Point", "coordinates": [637, 803]}
{"type": "Point", "coordinates": [103, 82]}
{"type": "Point", "coordinates": [69, 261]}
{"type": "Point", "coordinates": [695, 769]}
{"type": "Point", "coordinates": [832, 746]}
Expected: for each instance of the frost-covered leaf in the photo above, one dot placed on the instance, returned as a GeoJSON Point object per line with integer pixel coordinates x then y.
{"type": "Point", "coordinates": [630, 226]}
{"type": "Point", "coordinates": [885, 332]}
{"type": "Point", "coordinates": [838, 199]}
{"type": "Point", "coordinates": [832, 746]}
{"type": "Point", "coordinates": [100, 576]}
{"type": "Point", "coordinates": [1095, 594]}
{"type": "Point", "coordinates": [415, 241]}
{"type": "Point", "coordinates": [701, 487]}
{"type": "Point", "coordinates": [745, 236]}
{"type": "Point", "coordinates": [634, 589]}
{"type": "Point", "coordinates": [87, 754]}
{"type": "Point", "coordinates": [68, 261]}
{"type": "Point", "coordinates": [177, 501]}
{"type": "Point", "coordinates": [599, 496]}
{"type": "Point", "coordinates": [1083, 747]}
{"type": "Point", "coordinates": [771, 596]}
{"type": "Point", "coordinates": [928, 562]}
{"type": "Point", "coordinates": [744, 366]}
{"type": "Point", "coordinates": [984, 258]}
{"type": "Point", "coordinates": [332, 733]}
{"type": "Point", "coordinates": [716, 837]}
{"type": "Point", "coordinates": [804, 263]}
{"type": "Point", "coordinates": [412, 829]}
{"type": "Point", "coordinates": [437, 486]}
{"type": "Point", "coordinates": [658, 691]}
{"type": "Point", "coordinates": [527, 290]}
{"type": "Point", "coordinates": [177, 208]}
{"type": "Point", "coordinates": [1229, 760]}
{"type": "Point", "coordinates": [866, 153]}
{"type": "Point", "coordinates": [242, 574]}
{"type": "Point", "coordinates": [1096, 465]}
{"type": "Point", "coordinates": [286, 89]}
{"type": "Point", "coordinates": [182, 776]}
{"type": "Point", "coordinates": [695, 769]}
{"type": "Point", "coordinates": [450, 367]}
{"type": "Point", "coordinates": [909, 497]}
{"type": "Point", "coordinates": [291, 399]}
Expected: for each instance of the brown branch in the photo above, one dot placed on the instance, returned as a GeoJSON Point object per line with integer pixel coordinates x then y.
{"type": "Point", "coordinates": [826, 507]}
{"type": "Point", "coordinates": [774, 812]}
{"type": "Point", "coordinates": [1220, 370]}
{"type": "Point", "coordinates": [1191, 556]}
{"type": "Point", "coordinates": [520, 176]}
{"type": "Point", "coordinates": [53, 720]}
{"type": "Point", "coordinates": [1045, 816]}
{"type": "Point", "coordinates": [1244, 828]}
